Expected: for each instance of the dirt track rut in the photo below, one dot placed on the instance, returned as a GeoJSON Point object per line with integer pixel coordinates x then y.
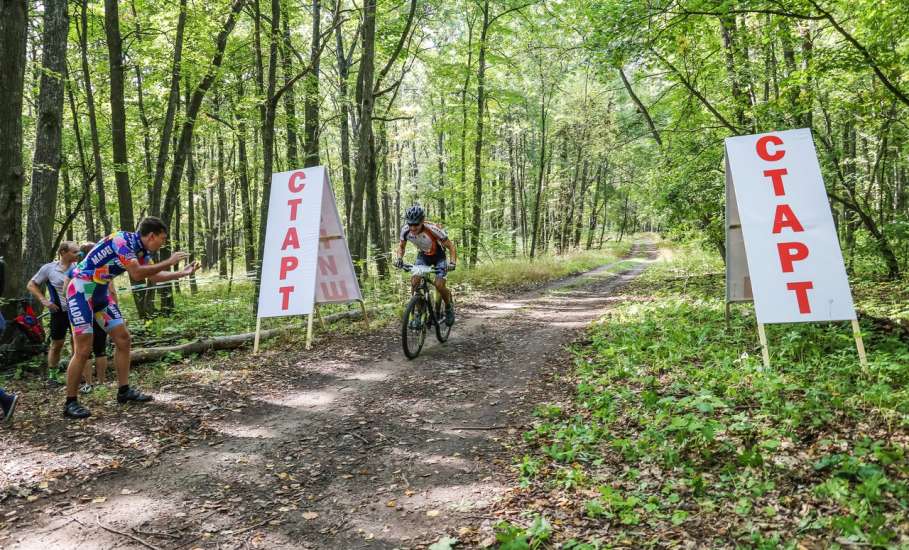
{"type": "Point", "coordinates": [349, 446]}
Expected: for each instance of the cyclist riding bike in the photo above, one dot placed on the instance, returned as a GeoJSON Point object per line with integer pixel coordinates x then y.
{"type": "Point", "coordinates": [431, 242]}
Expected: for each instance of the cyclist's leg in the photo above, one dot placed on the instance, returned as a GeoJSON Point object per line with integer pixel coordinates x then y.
{"type": "Point", "coordinates": [111, 320]}
{"type": "Point", "coordinates": [59, 327]}
{"type": "Point", "coordinates": [99, 350]}
{"type": "Point", "coordinates": [417, 279]}
{"type": "Point", "coordinates": [80, 315]}
{"type": "Point", "coordinates": [441, 271]}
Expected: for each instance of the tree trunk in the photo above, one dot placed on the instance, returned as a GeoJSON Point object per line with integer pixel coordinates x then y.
{"type": "Point", "coordinates": [146, 129]}
{"type": "Point", "coordinates": [86, 180]}
{"type": "Point", "coordinates": [539, 195]}
{"type": "Point", "coordinates": [93, 124]}
{"type": "Point", "coordinates": [465, 233]}
{"type": "Point", "coordinates": [13, 33]}
{"type": "Point", "coordinates": [118, 114]}
{"type": "Point", "coordinates": [191, 211]}
{"type": "Point", "coordinates": [249, 239]}
{"type": "Point", "coordinates": [268, 135]}
{"type": "Point", "coordinates": [579, 219]}
{"type": "Point", "coordinates": [42, 204]}
{"type": "Point", "coordinates": [192, 112]}
{"type": "Point", "coordinates": [343, 70]}
{"type": "Point", "coordinates": [290, 102]}
{"type": "Point", "coordinates": [168, 126]}
{"type": "Point", "coordinates": [221, 184]}
{"type": "Point", "coordinates": [478, 143]}
{"type": "Point", "coordinates": [311, 128]}
{"type": "Point", "coordinates": [365, 140]}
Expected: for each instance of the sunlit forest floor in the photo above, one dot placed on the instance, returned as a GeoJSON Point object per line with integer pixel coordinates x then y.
{"type": "Point", "coordinates": [669, 431]}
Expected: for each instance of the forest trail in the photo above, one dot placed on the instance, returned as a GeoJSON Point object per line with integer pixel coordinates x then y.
{"type": "Point", "coordinates": [348, 446]}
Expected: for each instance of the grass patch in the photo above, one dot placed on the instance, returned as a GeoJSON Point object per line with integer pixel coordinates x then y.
{"type": "Point", "coordinates": [676, 432]}
{"type": "Point", "coordinates": [521, 274]}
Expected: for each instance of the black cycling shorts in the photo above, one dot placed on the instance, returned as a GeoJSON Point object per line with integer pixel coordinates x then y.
{"type": "Point", "coordinates": [99, 341]}
{"type": "Point", "coordinates": [59, 325]}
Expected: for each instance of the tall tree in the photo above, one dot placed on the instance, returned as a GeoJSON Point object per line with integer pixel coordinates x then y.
{"type": "Point", "coordinates": [93, 121]}
{"type": "Point", "coordinates": [118, 113]}
{"type": "Point", "coordinates": [42, 204]}
{"type": "Point", "coordinates": [167, 126]}
{"type": "Point", "coordinates": [13, 28]}
{"type": "Point", "coordinates": [311, 87]}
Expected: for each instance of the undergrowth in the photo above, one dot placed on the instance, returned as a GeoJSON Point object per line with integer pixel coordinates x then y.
{"type": "Point", "coordinates": [675, 433]}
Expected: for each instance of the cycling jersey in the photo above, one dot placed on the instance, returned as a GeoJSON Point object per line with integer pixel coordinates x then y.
{"type": "Point", "coordinates": [427, 240]}
{"type": "Point", "coordinates": [87, 294]}
{"type": "Point", "coordinates": [110, 256]}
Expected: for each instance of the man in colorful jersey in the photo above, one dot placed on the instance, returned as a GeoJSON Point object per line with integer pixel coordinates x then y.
{"type": "Point", "coordinates": [88, 299]}
{"type": "Point", "coordinates": [429, 239]}
{"type": "Point", "coordinates": [53, 275]}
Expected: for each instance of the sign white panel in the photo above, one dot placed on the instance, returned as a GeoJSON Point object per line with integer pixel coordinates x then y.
{"type": "Point", "coordinates": [793, 255]}
{"type": "Point", "coordinates": [291, 243]}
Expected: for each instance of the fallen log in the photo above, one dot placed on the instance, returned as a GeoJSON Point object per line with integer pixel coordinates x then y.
{"type": "Point", "coordinates": [232, 341]}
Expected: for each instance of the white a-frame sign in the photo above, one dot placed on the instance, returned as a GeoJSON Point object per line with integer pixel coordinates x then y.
{"type": "Point", "coordinates": [782, 250]}
{"type": "Point", "coordinates": [306, 261]}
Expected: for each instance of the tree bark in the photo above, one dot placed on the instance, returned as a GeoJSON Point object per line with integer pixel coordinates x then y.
{"type": "Point", "coordinates": [86, 179]}
{"type": "Point", "coordinates": [641, 108]}
{"type": "Point", "coordinates": [249, 238]}
{"type": "Point", "coordinates": [539, 195]}
{"type": "Point", "coordinates": [13, 33]}
{"type": "Point", "coordinates": [311, 128]}
{"type": "Point", "coordinates": [167, 127]}
{"type": "Point", "coordinates": [343, 73]}
{"type": "Point", "coordinates": [93, 124]}
{"type": "Point", "coordinates": [268, 135]}
{"type": "Point", "coordinates": [290, 102]}
{"type": "Point", "coordinates": [118, 114]}
{"type": "Point", "coordinates": [192, 111]}
{"type": "Point", "coordinates": [365, 151]}
{"type": "Point", "coordinates": [478, 143]}
{"type": "Point", "coordinates": [42, 204]}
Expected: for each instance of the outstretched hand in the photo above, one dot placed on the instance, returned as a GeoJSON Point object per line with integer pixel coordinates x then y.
{"type": "Point", "coordinates": [177, 257]}
{"type": "Point", "coordinates": [190, 268]}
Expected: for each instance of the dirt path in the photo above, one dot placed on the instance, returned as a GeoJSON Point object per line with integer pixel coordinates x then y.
{"type": "Point", "coordinates": [350, 446]}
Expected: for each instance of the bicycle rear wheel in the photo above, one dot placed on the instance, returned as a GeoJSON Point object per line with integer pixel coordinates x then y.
{"type": "Point", "coordinates": [414, 316]}
{"type": "Point", "coordinates": [443, 329]}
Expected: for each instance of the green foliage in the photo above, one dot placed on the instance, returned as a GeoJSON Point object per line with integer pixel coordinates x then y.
{"type": "Point", "coordinates": [519, 273]}
{"type": "Point", "coordinates": [515, 537]}
{"type": "Point", "coordinates": [663, 387]}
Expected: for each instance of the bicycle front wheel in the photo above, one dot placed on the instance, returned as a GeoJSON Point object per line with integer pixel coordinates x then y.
{"type": "Point", "coordinates": [413, 326]}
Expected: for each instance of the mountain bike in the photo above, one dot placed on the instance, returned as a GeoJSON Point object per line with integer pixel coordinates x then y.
{"type": "Point", "coordinates": [21, 337]}
{"type": "Point", "coordinates": [425, 309]}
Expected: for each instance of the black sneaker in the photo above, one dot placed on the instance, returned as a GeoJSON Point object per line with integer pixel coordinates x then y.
{"type": "Point", "coordinates": [53, 384]}
{"type": "Point", "coordinates": [8, 404]}
{"type": "Point", "coordinates": [449, 315]}
{"type": "Point", "coordinates": [133, 394]}
{"type": "Point", "coordinates": [74, 410]}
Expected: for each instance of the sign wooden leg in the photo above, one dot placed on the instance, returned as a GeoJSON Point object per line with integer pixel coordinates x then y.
{"type": "Point", "coordinates": [258, 332]}
{"type": "Point", "coordinates": [859, 344]}
{"type": "Point", "coordinates": [309, 333]}
{"type": "Point", "coordinates": [765, 352]}
{"type": "Point", "coordinates": [365, 315]}
{"type": "Point", "coordinates": [321, 320]}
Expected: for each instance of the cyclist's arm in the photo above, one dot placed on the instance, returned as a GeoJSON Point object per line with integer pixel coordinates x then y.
{"type": "Point", "coordinates": [165, 276]}
{"type": "Point", "coordinates": [449, 244]}
{"type": "Point", "coordinates": [401, 246]}
{"type": "Point", "coordinates": [138, 271]}
{"type": "Point", "coordinates": [35, 291]}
